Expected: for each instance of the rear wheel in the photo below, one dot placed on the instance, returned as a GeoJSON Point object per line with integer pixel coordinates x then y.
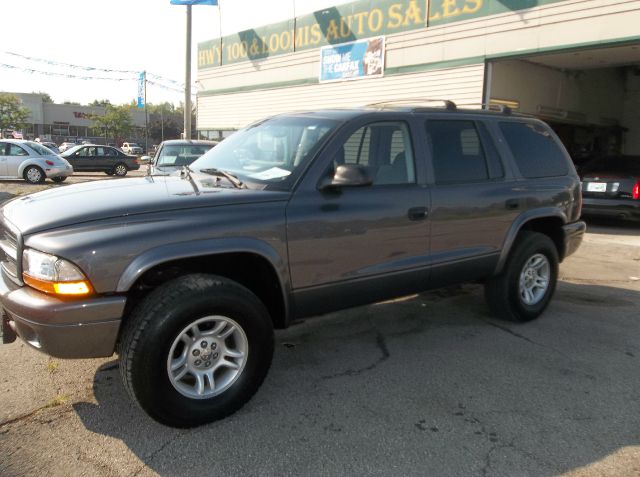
{"type": "Point", "coordinates": [523, 290]}
{"type": "Point", "coordinates": [120, 170]}
{"type": "Point", "coordinates": [33, 175]}
{"type": "Point", "coordinates": [195, 350]}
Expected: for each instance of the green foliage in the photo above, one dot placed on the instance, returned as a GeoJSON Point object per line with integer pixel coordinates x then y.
{"type": "Point", "coordinates": [100, 102]}
{"type": "Point", "coordinates": [45, 97]}
{"type": "Point", "coordinates": [116, 121]}
{"type": "Point", "coordinates": [12, 114]}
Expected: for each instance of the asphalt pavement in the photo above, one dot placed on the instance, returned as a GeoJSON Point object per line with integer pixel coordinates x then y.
{"type": "Point", "coordinates": [430, 384]}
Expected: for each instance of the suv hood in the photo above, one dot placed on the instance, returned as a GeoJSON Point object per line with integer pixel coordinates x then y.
{"type": "Point", "coordinates": [106, 199]}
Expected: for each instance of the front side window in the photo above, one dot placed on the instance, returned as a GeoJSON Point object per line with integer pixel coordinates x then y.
{"type": "Point", "coordinates": [270, 154]}
{"type": "Point", "coordinates": [456, 152]}
{"type": "Point", "coordinates": [385, 149]}
{"type": "Point", "coordinates": [15, 150]}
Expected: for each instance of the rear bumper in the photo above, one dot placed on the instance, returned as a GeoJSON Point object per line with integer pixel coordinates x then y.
{"type": "Point", "coordinates": [58, 172]}
{"type": "Point", "coordinates": [63, 329]}
{"type": "Point", "coordinates": [573, 234]}
{"type": "Point", "coordinates": [613, 208]}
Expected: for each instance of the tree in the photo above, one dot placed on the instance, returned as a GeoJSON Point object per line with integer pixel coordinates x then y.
{"type": "Point", "coordinates": [102, 102]}
{"type": "Point", "coordinates": [164, 128]}
{"type": "Point", "coordinates": [45, 97]}
{"type": "Point", "coordinates": [116, 121]}
{"type": "Point", "coordinates": [12, 114]}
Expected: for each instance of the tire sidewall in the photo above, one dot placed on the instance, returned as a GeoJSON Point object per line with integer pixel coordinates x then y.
{"type": "Point", "coordinates": [537, 244]}
{"type": "Point", "coordinates": [153, 388]}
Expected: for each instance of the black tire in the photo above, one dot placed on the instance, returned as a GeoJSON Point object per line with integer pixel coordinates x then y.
{"type": "Point", "coordinates": [158, 320]}
{"type": "Point", "coordinates": [120, 169]}
{"type": "Point", "coordinates": [109, 173]}
{"type": "Point", "coordinates": [59, 179]}
{"type": "Point", "coordinates": [34, 175]}
{"type": "Point", "coordinates": [503, 293]}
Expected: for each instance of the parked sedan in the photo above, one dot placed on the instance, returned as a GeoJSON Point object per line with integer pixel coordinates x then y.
{"type": "Point", "coordinates": [174, 154]}
{"type": "Point", "coordinates": [31, 161]}
{"type": "Point", "coordinates": [611, 187]}
{"type": "Point", "coordinates": [97, 158]}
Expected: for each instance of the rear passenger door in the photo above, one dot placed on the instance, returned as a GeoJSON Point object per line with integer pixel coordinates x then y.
{"type": "Point", "coordinates": [471, 191]}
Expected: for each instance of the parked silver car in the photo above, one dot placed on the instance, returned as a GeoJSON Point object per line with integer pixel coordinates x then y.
{"type": "Point", "coordinates": [31, 161]}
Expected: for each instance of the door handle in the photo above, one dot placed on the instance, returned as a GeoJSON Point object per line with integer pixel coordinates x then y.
{"type": "Point", "coordinates": [512, 204]}
{"type": "Point", "coordinates": [417, 213]}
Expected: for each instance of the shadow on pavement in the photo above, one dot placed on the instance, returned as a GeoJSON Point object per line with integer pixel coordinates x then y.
{"type": "Point", "coordinates": [430, 385]}
{"type": "Point", "coordinates": [613, 226]}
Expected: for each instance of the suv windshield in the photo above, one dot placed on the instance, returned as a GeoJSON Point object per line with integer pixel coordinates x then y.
{"type": "Point", "coordinates": [271, 153]}
{"type": "Point", "coordinates": [179, 155]}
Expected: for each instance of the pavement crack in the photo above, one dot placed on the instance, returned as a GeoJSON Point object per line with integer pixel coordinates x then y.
{"type": "Point", "coordinates": [381, 344]}
{"type": "Point", "coordinates": [525, 338]}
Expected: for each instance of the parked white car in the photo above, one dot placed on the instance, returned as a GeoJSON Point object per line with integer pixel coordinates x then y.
{"type": "Point", "coordinates": [31, 161]}
{"type": "Point", "coordinates": [131, 148]}
{"type": "Point", "coordinates": [66, 145]}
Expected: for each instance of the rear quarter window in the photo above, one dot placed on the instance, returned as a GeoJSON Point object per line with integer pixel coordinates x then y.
{"type": "Point", "coordinates": [535, 150]}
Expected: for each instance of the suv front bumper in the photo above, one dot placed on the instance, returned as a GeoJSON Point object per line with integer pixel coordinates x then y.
{"type": "Point", "coordinates": [62, 328]}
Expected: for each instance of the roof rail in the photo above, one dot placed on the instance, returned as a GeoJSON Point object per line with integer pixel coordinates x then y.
{"type": "Point", "coordinates": [501, 108]}
{"type": "Point", "coordinates": [448, 104]}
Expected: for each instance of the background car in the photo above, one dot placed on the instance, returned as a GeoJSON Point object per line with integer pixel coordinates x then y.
{"type": "Point", "coordinates": [66, 145]}
{"type": "Point", "coordinates": [131, 148]}
{"type": "Point", "coordinates": [31, 161]}
{"type": "Point", "coordinates": [98, 158]}
{"type": "Point", "coordinates": [174, 154]}
{"type": "Point", "coordinates": [52, 146]}
{"type": "Point", "coordinates": [611, 187]}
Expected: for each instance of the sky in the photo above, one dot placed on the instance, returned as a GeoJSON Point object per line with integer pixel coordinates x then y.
{"type": "Point", "coordinates": [129, 35]}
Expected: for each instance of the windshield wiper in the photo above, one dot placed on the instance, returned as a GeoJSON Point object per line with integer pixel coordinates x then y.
{"type": "Point", "coordinates": [220, 173]}
{"type": "Point", "coordinates": [186, 172]}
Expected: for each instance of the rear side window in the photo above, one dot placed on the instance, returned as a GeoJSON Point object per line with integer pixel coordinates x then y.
{"type": "Point", "coordinates": [457, 152]}
{"type": "Point", "coordinates": [535, 151]}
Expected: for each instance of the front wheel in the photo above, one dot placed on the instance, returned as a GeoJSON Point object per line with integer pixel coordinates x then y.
{"type": "Point", "coordinates": [120, 170]}
{"type": "Point", "coordinates": [59, 179]}
{"type": "Point", "coordinates": [195, 350]}
{"type": "Point", "coordinates": [523, 290]}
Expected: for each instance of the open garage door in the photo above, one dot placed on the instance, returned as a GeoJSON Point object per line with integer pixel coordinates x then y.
{"type": "Point", "coordinates": [591, 97]}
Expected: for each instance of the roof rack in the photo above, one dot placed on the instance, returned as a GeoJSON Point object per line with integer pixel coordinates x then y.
{"type": "Point", "coordinates": [448, 104]}
{"type": "Point", "coordinates": [501, 108]}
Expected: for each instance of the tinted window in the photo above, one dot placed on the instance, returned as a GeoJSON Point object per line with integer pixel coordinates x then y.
{"type": "Point", "coordinates": [456, 152]}
{"type": "Point", "coordinates": [535, 151]}
{"type": "Point", "coordinates": [385, 148]}
{"type": "Point", "coordinates": [15, 150]}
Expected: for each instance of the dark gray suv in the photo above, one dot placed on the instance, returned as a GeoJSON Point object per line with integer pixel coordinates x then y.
{"type": "Point", "coordinates": [186, 276]}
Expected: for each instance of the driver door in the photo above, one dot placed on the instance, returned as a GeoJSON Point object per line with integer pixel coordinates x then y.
{"type": "Point", "coordinates": [354, 245]}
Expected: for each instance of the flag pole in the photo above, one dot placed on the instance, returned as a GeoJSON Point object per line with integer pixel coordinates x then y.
{"type": "Point", "coordinates": [187, 80]}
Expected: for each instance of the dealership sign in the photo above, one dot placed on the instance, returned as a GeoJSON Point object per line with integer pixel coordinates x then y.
{"type": "Point", "coordinates": [353, 60]}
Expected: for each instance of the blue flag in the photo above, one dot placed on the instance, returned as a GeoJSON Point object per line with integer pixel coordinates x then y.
{"type": "Point", "coordinates": [194, 2]}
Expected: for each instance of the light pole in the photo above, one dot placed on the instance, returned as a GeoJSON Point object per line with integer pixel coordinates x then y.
{"type": "Point", "coordinates": [187, 80]}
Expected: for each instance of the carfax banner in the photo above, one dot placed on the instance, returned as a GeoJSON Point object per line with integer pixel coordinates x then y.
{"type": "Point", "coordinates": [353, 60]}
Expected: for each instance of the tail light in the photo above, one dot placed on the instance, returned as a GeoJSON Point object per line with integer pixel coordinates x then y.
{"type": "Point", "coordinates": [51, 163]}
{"type": "Point", "coordinates": [138, 162]}
{"type": "Point", "coordinates": [636, 190]}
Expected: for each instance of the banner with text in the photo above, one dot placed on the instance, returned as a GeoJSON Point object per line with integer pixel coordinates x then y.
{"type": "Point", "coordinates": [353, 60]}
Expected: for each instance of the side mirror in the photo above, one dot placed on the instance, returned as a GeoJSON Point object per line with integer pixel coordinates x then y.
{"type": "Point", "coordinates": [348, 175]}
{"type": "Point", "coordinates": [145, 159]}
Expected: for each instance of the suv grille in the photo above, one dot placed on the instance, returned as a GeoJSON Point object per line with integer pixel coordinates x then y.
{"type": "Point", "coordinates": [9, 245]}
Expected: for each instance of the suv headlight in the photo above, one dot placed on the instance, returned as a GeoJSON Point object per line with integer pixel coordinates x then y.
{"type": "Point", "coordinates": [54, 275]}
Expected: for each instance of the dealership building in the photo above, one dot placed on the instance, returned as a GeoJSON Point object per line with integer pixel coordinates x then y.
{"type": "Point", "coordinates": [573, 63]}
{"type": "Point", "coordinates": [69, 122]}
